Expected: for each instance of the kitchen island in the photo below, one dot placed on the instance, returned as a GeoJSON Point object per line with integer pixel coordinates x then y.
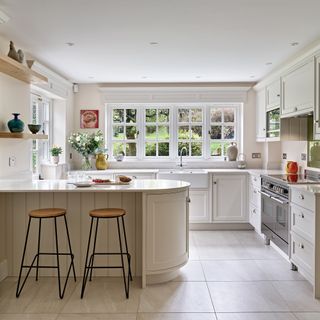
{"type": "Point", "coordinates": [156, 223]}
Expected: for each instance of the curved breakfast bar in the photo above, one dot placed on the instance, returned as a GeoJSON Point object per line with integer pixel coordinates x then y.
{"type": "Point", "coordinates": [156, 223]}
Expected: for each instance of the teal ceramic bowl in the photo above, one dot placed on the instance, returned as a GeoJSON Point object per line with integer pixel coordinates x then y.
{"type": "Point", "coordinates": [34, 128]}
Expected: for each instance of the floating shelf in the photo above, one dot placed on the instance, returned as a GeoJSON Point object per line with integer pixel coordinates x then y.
{"type": "Point", "coordinates": [19, 71]}
{"type": "Point", "coordinates": [15, 135]}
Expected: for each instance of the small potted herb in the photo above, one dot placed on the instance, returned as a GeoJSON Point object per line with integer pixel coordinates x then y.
{"type": "Point", "coordinates": [55, 151]}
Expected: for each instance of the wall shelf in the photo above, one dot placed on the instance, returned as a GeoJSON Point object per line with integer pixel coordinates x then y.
{"type": "Point", "coordinates": [25, 136]}
{"type": "Point", "coordinates": [20, 71]}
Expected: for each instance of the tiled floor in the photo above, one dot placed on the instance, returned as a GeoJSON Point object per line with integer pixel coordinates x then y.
{"type": "Point", "coordinates": [230, 275]}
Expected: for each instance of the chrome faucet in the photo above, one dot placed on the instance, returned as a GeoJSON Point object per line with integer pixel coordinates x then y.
{"type": "Point", "coordinates": [181, 154]}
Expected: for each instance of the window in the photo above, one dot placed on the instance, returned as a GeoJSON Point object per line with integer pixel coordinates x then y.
{"type": "Point", "coordinates": [41, 109]}
{"type": "Point", "coordinates": [161, 131]}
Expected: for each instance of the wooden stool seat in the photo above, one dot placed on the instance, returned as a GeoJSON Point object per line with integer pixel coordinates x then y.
{"type": "Point", "coordinates": [47, 213]}
{"type": "Point", "coordinates": [107, 213]}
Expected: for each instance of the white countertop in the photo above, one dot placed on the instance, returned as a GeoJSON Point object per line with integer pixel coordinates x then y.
{"type": "Point", "coordinates": [64, 186]}
{"type": "Point", "coordinates": [313, 188]}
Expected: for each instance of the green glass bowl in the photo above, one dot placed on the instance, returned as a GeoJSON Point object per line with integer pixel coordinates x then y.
{"type": "Point", "coordinates": [34, 128]}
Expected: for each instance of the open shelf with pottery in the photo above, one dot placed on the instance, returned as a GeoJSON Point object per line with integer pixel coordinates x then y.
{"type": "Point", "coordinates": [20, 71]}
{"type": "Point", "coordinates": [22, 135]}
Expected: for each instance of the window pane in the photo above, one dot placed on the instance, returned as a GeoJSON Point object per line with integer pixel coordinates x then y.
{"type": "Point", "coordinates": [163, 132]}
{"type": "Point", "coordinates": [196, 149]}
{"type": "Point", "coordinates": [183, 115]}
{"type": "Point", "coordinates": [118, 132]}
{"type": "Point", "coordinates": [163, 149]}
{"type": "Point", "coordinates": [151, 132]}
{"type": "Point", "coordinates": [151, 149]}
{"type": "Point", "coordinates": [196, 115]}
{"type": "Point", "coordinates": [151, 115]}
{"type": "Point", "coordinates": [183, 132]}
{"type": "Point", "coordinates": [131, 149]}
{"type": "Point", "coordinates": [118, 115]}
{"type": "Point", "coordinates": [228, 132]}
{"type": "Point", "coordinates": [216, 115]}
{"type": "Point", "coordinates": [228, 115]}
{"type": "Point", "coordinates": [196, 132]}
{"type": "Point", "coordinates": [216, 149]}
{"type": "Point", "coordinates": [131, 116]}
{"type": "Point", "coordinates": [117, 148]}
{"type": "Point", "coordinates": [183, 145]}
{"type": "Point", "coordinates": [216, 132]}
{"type": "Point", "coordinates": [131, 132]}
{"type": "Point", "coordinates": [163, 115]}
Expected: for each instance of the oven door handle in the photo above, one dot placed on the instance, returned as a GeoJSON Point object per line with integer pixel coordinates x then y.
{"type": "Point", "coordinates": [279, 200]}
{"type": "Point", "coordinates": [264, 193]}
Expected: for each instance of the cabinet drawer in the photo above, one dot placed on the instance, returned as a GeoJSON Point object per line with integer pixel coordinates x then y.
{"type": "Point", "coordinates": [302, 222]}
{"type": "Point", "coordinates": [255, 179]}
{"type": "Point", "coordinates": [254, 195]}
{"type": "Point", "coordinates": [303, 198]}
{"type": "Point", "coordinates": [302, 252]}
{"type": "Point", "coordinates": [255, 217]}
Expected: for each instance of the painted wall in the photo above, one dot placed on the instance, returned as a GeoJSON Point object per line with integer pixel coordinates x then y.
{"type": "Point", "coordinates": [89, 97]}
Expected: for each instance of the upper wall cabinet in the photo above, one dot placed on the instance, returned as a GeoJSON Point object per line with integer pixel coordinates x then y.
{"type": "Point", "coordinates": [273, 95]}
{"type": "Point", "coordinates": [261, 115]}
{"type": "Point", "coordinates": [316, 130]}
{"type": "Point", "coordinates": [298, 89]}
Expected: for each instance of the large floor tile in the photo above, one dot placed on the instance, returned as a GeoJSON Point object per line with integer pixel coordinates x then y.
{"type": "Point", "coordinates": [256, 316]}
{"type": "Point", "coordinates": [249, 238]}
{"type": "Point", "coordinates": [176, 297]}
{"type": "Point", "coordinates": [192, 271]}
{"type": "Point", "coordinates": [257, 296]}
{"type": "Point", "coordinates": [176, 316]}
{"type": "Point", "coordinates": [215, 238]}
{"type": "Point", "coordinates": [262, 252]}
{"type": "Point", "coordinates": [104, 296]}
{"type": "Point", "coordinates": [298, 295]}
{"type": "Point", "coordinates": [232, 270]}
{"type": "Point", "coordinates": [308, 316]}
{"type": "Point", "coordinates": [278, 270]}
{"type": "Point", "coordinates": [95, 316]}
{"type": "Point", "coordinates": [231, 252]}
{"type": "Point", "coordinates": [28, 316]}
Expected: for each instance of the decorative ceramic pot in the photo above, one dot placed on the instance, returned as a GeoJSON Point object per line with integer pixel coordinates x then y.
{"type": "Point", "coordinates": [101, 161]}
{"type": "Point", "coordinates": [55, 159]}
{"type": "Point", "coordinates": [15, 124]}
{"type": "Point", "coordinates": [232, 152]}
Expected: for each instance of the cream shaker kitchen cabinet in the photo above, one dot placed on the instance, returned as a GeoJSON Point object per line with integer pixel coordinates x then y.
{"type": "Point", "coordinates": [255, 202]}
{"type": "Point", "coordinates": [298, 89]}
{"type": "Point", "coordinates": [316, 130]}
{"type": "Point", "coordinates": [229, 199]}
{"type": "Point", "coordinates": [199, 211]}
{"type": "Point", "coordinates": [273, 95]}
{"type": "Point", "coordinates": [261, 115]}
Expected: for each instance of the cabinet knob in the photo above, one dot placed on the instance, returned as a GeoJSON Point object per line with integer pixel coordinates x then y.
{"type": "Point", "coordinates": [214, 182]}
{"type": "Point", "coordinates": [316, 121]}
{"type": "Point", "coordinates": [254, 210]}
{"type": "Point", "coordinates": [188, 199]}
{"type": "Point", "coordinates": [301, 245]}
{"type": "Point", "coordinates": [301, 196]}
{"type": "Point", "coordinates": [301, 216]}
{"type": "Point", "coordinates": [134, 177]}
{"type": "Point", "coordinates": [295, 109]}
{"type": "Point", "coordinates": [278, 95]}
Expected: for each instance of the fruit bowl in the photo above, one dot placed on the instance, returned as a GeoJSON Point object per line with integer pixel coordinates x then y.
{"type": "Point", "coordinates": [34, 128]}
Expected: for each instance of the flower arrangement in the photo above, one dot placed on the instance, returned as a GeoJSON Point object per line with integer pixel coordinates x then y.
{"type": "Point", "coordinates": [55, 151]}
{"type": "Point", "coordinates": [86, 144]}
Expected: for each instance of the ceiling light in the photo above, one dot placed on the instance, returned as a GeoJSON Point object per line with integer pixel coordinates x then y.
{"type": "Point", "coordinates": [153, 43]}
{"type": "Point", "coordinates": [268, 63]}
{"type": "Point", "coordinates": [3, 17]}
{"type": "Point", "coordinates": [144, 77]}
{"type": "Point", "coordinates": [252, 77]}
{"type": "Point", "coordinates": [293, 44]}
{"type": "Point", "coordinates": [91, 77]}
{"type": "Point", "coordinates": [198, 77]}
{"type": "Point", "coordinates": [70, 44]}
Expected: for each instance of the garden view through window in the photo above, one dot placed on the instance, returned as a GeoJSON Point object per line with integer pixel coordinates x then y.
{"type": "Point", "coordinates": [204, 131]}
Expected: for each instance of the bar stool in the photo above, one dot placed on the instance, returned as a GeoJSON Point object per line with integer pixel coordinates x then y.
{"type": "Point", "coordinates": [107, 213]}
{"type": "Point", "coordinates": [49, 213]}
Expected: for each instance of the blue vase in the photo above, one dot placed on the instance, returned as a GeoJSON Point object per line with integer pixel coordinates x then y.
{"type": "Point", "coordinates": [15, 124]}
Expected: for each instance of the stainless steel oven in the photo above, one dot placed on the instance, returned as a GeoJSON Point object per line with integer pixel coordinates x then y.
{"type": "Point", "coordinates": [275, 222]}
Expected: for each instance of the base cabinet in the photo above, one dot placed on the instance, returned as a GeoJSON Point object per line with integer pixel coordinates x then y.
{"type": "Point", "coordinates": [198, 209]}
{"type": "Point", "coordinates": [229, 201]}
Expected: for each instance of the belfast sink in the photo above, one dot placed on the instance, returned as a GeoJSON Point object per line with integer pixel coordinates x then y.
{"type": "Point", "coordinates": [198, 178]}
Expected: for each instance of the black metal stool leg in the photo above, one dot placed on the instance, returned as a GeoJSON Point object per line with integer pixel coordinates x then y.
{"type": "Point", "coordinates": [94, 248]}
{"type": "Point", "coordinates": [126, 286]}
{"type": "Point", "coordinates": [38, 254]}
{"type": "Point", "coordinates": [70, 250]}
{"type": "Point", "coordinates": [18, 291]}
{"type": "Point", "coordinates": [126, 245]}
{"type": "Point", "coordinates": [85, 275]}
{"type": "Point", "coordinates": [57, 255]}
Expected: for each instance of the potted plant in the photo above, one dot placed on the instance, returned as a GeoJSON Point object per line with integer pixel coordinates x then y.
{"type": "Point", "coordinates": [55, 151]}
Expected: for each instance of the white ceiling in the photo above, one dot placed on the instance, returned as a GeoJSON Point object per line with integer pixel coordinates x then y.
{"type": "Point", "coordinates": [198, 40]}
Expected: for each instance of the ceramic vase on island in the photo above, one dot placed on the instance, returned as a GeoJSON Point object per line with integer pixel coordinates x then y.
{"type": "Point", "coordinates": [15, 124]}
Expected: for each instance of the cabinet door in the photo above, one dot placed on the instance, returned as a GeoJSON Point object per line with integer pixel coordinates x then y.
{"type": "Point", "coordinates": [198, 209]}
{"type": "Point", "coordinates": [230, 198]}
{"type": "Point", "coordinates": [255, 217]}
{"type": "Point", "coordinates": [261, 115]}
{"type": "Point", "coordinates": [137, 175]}
{"type": "Point", "coordinates": [316, 130]}
{"type": "Point", "coordinates": [298, 87]}
{"type": "Point", "coordinates": [166, 231]}
{"type": "Point", "coordinates": [273, 95]}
